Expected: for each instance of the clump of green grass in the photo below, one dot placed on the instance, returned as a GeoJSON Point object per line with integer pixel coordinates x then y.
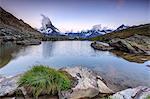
{"type": "Point", "coordinates": [148, 97]}
{"type": "Point", "coordinates": [44, 80]}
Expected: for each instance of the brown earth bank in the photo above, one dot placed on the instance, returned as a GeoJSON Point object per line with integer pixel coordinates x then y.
{"type": "Point", "coordinates": [88, 85]}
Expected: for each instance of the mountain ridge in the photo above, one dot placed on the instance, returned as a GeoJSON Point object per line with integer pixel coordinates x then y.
{"type": "Point", "coordinates": [143, 29]}
{"type": "Point", "coordinates": [8, 22]}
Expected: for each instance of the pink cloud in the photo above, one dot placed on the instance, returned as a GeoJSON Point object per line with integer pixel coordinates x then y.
{"type": "Point", "coordinates": [120, 3]}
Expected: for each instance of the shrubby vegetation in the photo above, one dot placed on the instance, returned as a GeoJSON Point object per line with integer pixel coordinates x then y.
{"type": "Point", "coordinates": [44, 80]}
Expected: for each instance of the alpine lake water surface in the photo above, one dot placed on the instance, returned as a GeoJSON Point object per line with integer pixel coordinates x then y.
{"type": "Point", "coordinates": [118, 72]}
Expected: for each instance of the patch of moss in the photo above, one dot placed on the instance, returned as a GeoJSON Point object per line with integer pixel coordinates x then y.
{"type": "Point", "coordinates": [44, 80]}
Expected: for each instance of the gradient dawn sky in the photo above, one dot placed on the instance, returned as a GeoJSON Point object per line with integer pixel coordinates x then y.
{"type": "Point", "coordinates": [79, 15]}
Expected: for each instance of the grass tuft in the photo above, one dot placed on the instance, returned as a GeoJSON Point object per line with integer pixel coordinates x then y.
{"type": "Point", "coordinates": [44, 80]}
{"type": "Point", "coordinates": [148, 97]}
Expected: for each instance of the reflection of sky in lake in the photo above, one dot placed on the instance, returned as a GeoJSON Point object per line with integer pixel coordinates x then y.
{"type": "Point", "coordinates": [78, 53]}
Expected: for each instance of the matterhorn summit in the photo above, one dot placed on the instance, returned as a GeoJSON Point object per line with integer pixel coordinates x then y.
{"type": "Point", "coordinates": [97, 27]}
{"type": "Point", "coordinates": [47, 27]}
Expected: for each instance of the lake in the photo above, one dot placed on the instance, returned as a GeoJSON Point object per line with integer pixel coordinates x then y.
{"type": "Point", "coordinates": [118, 72]}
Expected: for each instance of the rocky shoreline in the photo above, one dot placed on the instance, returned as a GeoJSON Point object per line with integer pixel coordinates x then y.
{"type": "Point", "coordinates": [135, 48]}
{"type": "Point", "coordinates": [135, 45]}
{"type": "Point", "coordinates": [19, 39]}
{"type": "Point", "coordinates": [88, 85]}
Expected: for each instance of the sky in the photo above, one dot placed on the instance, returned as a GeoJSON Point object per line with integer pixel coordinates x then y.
{"type": "Point", "coordinates": [77, 15]}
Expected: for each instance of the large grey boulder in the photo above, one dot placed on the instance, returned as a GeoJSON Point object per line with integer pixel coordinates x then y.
{"type": "Point", "coordinates": [140, 92]}
{"type": "Point", "coordinates": [135, 44]}
{"type": "Point", "coordinates": [8, 85]}
{"type": "Point", "coordinates": [101, 46]}
{"type": "Point", "coordinates": [89, 84]}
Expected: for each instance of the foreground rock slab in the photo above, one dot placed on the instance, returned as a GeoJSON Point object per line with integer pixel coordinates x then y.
{"type": "Point", "coordinates": [8, 85]}
{"type": "Point", "coordinates": [140, 92]}
{"type": "Point", "coordinates": [89, 84]}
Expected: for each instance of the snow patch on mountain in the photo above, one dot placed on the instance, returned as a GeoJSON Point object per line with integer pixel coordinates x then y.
{"type": "Point", "coordinates": [96, 30]}
{"type": "Point", "coordinates": [97, 27]}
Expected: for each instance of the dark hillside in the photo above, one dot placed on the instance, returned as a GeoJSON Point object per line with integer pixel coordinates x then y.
{"type": "Point", "coordinates": [143, 30]}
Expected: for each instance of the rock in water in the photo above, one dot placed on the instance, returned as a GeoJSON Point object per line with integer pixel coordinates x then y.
{"type": "Point", "coordinates": [100, 46]}
{"type": "Point", "coordinates": [89, 84]}
{"type": "Point", "coordinates": [140, 92]}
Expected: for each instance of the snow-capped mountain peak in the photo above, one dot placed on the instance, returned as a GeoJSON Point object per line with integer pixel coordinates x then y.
{"type": "Point", "coordinates": [97, 27]}
{"type": "Point", "coordinates": [45, 22]}
{"type": "Point", "coordinates": [47, 27]}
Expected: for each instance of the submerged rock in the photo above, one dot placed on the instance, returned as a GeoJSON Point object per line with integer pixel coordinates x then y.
{"type": "Point", "coordinates": [89, 84]}
{"type": "Point", "coordinates": [148, 65]}
{"type": "Point", "coordinates": [138, 58]}
{"type": "Point", "coordinates": [100, 46]}
{"type": "Point", "coordinates": [140, 92]}
{"type": "Point", "coordinates": [29, 42]}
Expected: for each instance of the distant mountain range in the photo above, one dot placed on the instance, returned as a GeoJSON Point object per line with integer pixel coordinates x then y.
{"type": "Point", "coordinates": [49, 29]}
{"type": "Point", "coordinates": [125, 32]}
{"type": "Point", "coordinates": [96, 30]}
